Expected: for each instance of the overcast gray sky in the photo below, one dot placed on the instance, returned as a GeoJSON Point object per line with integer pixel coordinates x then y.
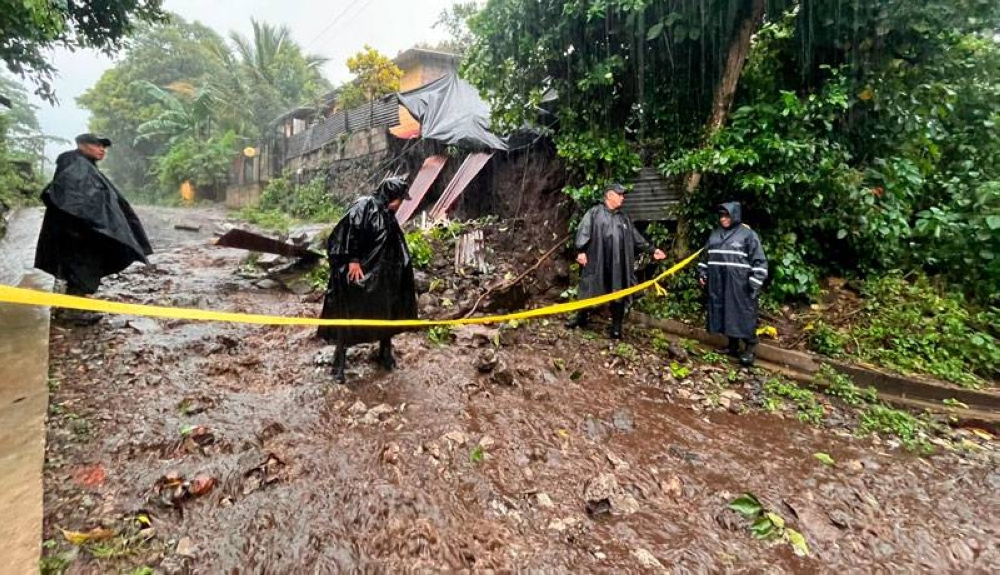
{"type": "Point", "coordinates": [332, 28]}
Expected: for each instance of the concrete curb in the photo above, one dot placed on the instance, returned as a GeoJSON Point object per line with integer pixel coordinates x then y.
{"type": "Point", "coordinates": [912, 392]}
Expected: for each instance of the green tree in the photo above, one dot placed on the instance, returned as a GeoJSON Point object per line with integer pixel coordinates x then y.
{"type": "Point", "coordinates": [266, 74]}
{"type": "Point", "coordinates": [174, 52]}
{"type": "Point", "coordinates": [28, 28]}
{"type": "Point", "coordinates": [187, 113]}
{"type": "Point", "coordinates": [455, 21]}
{"type": "Point", "coordinates": [375, 75]}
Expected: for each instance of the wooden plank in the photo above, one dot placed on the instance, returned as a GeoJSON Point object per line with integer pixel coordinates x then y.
{"type": "Point", "coordinates": [421, 184]}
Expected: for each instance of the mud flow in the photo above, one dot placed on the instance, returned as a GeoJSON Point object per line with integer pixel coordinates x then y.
{"type": "Point", "coordinates": [220, 448]}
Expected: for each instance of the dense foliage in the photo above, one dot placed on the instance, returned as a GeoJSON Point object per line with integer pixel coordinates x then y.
{"type": "Point", "coordinates": [29, 28]}
{"type": "Point", "coordinates": [375, 75]}
{"type": "Point", "coordinates": [22, 148]}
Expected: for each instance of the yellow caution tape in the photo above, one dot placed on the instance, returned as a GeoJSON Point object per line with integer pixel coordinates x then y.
{"type": "Point", "coordinates": [9, 294]}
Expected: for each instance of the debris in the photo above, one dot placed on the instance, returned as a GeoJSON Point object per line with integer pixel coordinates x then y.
{"type": "Point", "coordinates": [185, 547]}
{"type": "Point", "coordinates": [647, 560]}
{"type": "Point", "coordinates": [391, 453]}
{"type": "Point", "coordinates": [267, 473]}
{"type": "Point", "coordinates": [377, 414]}
{"type": "Point", "coordinates": [201, 485]}
{"type": "Point", "coordinates": [623, 504]}
{"type": "Point", "coordinates": [487, 360]}
{"type": "Point", "coordinates": [456, 437]}
{"type": "Point", "coordinates": [618, 462]}
{"type": "Point", "coordinates": [359, 408]}
{"type": "Point", "coordinates": [187, 227]}
{"type": "Point", "coordinates": [267, 284]}
{"type": "Point", "coordinates": [544, 501]}
{"type": "Point", "coordinates": [623, 421]}
{"type": "Point", "coordinates": [563, 524]}
{"type": "Point", "coordinates": [487, 443]}
{"type": "Point", "coordinates": [90, 475]}
{"type": "Point", "coordinates": [502, 375]}
{"type": "Point", "coordinates": [96, 534]}
{"type": "Point", "coordinates": [597, 493]}
{"type": "Point", "coordinates": [825, 459]}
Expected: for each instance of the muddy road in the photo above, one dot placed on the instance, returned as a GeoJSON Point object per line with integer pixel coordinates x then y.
{"type": "Point", "coordinates": [219, 448]}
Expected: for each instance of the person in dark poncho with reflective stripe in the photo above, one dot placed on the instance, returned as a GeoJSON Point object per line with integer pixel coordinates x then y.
{"type": "Point", "coordinates": [733, 269]}
{"type": "Point", "coordinates": [371, 274]}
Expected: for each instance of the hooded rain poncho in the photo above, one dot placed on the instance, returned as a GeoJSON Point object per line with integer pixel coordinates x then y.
{"type": "Point", "coordinates": [735, 268]}
{"type": "Point", "coordinates": [370, 235]}
{"type": "Point", "coordinates": [611, 242]}
{"type": "Point", "coordinates": [89, 230]}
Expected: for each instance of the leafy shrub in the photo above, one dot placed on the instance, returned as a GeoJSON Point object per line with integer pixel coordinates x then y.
{"type": "Point", "coordinates": [421, 252]}
{"type": "Point", "coordinates": [310, 201]}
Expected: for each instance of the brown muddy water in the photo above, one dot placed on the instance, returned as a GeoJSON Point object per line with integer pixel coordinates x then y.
{"type": "Point", "coordinates": [439, 468]}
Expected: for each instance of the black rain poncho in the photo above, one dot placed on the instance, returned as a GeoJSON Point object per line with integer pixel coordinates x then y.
{"type": "Point", "coordinates": [611, 242]}
{"type": "Point", "coordinates": [89, 230]}
{"type": "Point", "coordinates": [735, 268]}
{"type": "Point", "coordinates": [370, 235]}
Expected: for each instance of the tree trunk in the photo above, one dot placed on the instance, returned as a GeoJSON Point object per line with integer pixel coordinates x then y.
{"type": "Point", "coordinates": [725, 91]}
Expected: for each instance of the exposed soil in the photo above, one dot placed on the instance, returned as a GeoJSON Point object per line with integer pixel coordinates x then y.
{"type": "Point", "coordinates": [245, 457]}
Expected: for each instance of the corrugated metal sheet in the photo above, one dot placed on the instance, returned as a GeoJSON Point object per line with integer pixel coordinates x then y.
{"type": "Point", "coordinates": [469, 252]}
{"type": "Point", "coordinates": [471, 167]}
{"type": "Point", "coordinates": [384, 112]}
{"type": "Point", "coordinates": [425, 179]}
{"type": "Point", "coordinates": [652, 198]}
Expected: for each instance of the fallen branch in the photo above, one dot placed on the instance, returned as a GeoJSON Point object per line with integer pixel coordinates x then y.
{"type": "Point", "coordinates": [518, 279]}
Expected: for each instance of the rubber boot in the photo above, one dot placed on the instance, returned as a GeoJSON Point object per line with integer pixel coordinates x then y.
{"type": "Point", "coordinates": [340, 364]}
{"type": "Point", "coordinates": [581, 319]}
{"type": "Point", "coordinates": [617, 318]}
{"type": "Point", "coordinates": [749, 355]}
{"type": "Point", "coordinates": [385, 358]}
{"type": "Point", "coordinates": [732, 349]}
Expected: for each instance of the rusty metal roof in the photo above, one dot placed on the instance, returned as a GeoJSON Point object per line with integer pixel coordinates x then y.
{"type": "Point", "coordinates": [652, 198]}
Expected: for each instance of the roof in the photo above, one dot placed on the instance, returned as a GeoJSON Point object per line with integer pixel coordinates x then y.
{"type": "Point", "coordinates": [652, 198]}
{"type": "Point", "coordinates": [414, 55]}
{"type": "Point", "coordinates": [302, 112]}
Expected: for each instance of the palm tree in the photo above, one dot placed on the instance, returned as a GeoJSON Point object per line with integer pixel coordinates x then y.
{"type": "Point", "coordinates": [187, 112]}
{"type": "Point", "coordinates": [268, 74]}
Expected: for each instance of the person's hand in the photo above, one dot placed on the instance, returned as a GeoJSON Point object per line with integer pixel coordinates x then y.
{"type": "Point", "coordinates": [659, 255]}
{"type": "Point", "coordinates": [582, 259]}
{"type": "Point", "coordinates": [354, 272]}
{"type": "Point", "coordinates": [702, 282]}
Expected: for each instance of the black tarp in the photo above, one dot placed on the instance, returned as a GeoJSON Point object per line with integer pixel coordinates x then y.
{"type": "Point", "coordinates": [89, 230]}
{"type": "Point", "coordinates": [450, 111]}
{"type": "Point", "coordinates": [370, 235]}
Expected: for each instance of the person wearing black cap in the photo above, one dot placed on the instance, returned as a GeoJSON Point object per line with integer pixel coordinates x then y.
{"type": "Point", "coordinates": [607, 243]}
{"type": "Point", "coordinates": [733, 268]}
{"type": "Point", "coordinates": [89, 230]}
{"type": "Point", "coordinates": [371, 274]}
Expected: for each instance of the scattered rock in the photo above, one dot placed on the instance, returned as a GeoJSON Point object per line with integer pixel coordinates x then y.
{"type": "Point", "coordinates": [676, 352]}
{"type": "Point", "coordinates": [672, 486]}
{"type": "Point", "coordinates": [456, 437]}
{"type": "Point", "coordinates": [326, 355]}
{"type": "Point", "coordinates": [623, 421]}
{"type": "Point", "coordinates": [185, 548]}
{"type": "Point", "coordinates": [647, 560]}
{"type": "Point", "coordinates": [359, 408]}
{"type": "Point", "coordinates": [618, 462]}
{"type": "Point", "coordinates": [597, 494]}
{"type": "Point", "coordinates": [201, 485]}
{"type": "Point", "coordinates": [487, 360]}
{"type": "Point", "coordinates": [623, 504]}
{"type": "Point", "coordinates": [564, 523]}
{"type": "Point", "coordinates": [267, 284]}
{"type": "Point", "coordinates": [596, 431]}
{"type": "Point", "coordinates": [377, 414]}
{"type": "Point", "coordinates": [544, 501]}
{"type": "Point", "coordinates": [487, 443]}
{"type": "Point", "coordinates": [391, 453]}
{"type": "Point", "coordinates": [502, 375]}
{"type": "Point", "coordinates": [476, 335]}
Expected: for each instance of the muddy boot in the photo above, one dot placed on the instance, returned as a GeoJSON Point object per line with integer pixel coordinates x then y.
{"type": "Point", "coordinates": [749, 355]}
{"type": "Point", "coordinates": [340, 364]}
{"type": "Point", "coordinates": [385, 358]}
{"type": "Point", "coordinates": [581, 319]}
{"type": "Point", "coordinates": [617, 318]}
{"type": "Point", "coordinates": [732, 349]}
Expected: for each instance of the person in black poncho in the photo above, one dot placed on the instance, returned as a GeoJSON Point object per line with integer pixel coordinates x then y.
{"type": "Point", "coordinates": [371, 275]}
{"type": "Point", "coordinates": [89, 230]}
{"type": "Point", "coordinates": [733, 269]}
{"type": "Point", "coordinates": [607, 243]}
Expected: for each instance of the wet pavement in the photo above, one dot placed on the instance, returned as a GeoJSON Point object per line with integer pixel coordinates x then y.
{"type": "Point", "coordinates": [220, 448]}
{"type": "Point", "coordinates": [24, 339]}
